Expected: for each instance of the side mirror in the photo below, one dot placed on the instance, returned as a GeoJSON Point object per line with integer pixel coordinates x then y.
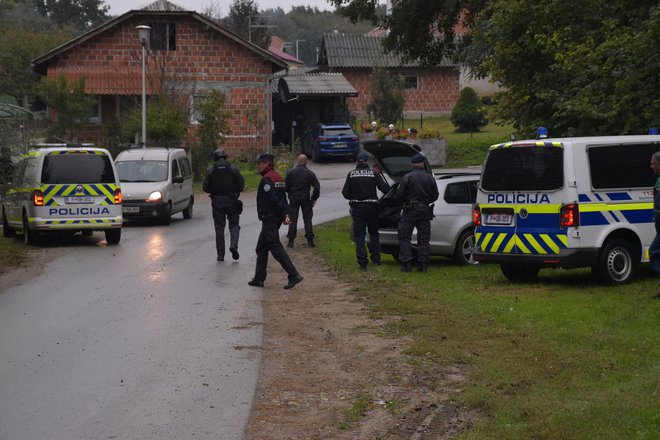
{"type": "Point", "coordinates": [177, 179]}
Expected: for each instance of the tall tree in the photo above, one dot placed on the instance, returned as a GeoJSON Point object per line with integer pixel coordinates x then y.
{"type": "Point", "coordinates": [387, 99]}
{"type": "Point", "coordinates": [71, 104]}
{"type": "Point", "coordinates": [81, 14]}
{"type": "Point", "coordinates": [245, 20]}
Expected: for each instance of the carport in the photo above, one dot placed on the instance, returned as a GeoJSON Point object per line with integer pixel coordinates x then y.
{"type": "Point", "coordinates": [302, 100]}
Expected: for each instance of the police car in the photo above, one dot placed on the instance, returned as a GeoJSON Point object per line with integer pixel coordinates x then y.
{"type": "Point", "coordinates": [567, 202]}
{"type": "Point", "coordinates": [452, 231]}
{"type": "Point", "coordinates": [60, 187]}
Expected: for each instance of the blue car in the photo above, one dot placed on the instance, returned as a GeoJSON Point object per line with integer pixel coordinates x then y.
{"type": "Point", "coordinates": [331, 140]}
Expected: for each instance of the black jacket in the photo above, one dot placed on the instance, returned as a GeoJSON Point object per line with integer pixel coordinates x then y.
{"type": "Point", "coordinates": [298, 182]}
{"type": "Point", "coordinates": [418, 186]}
{"type": "Point", "coordinates": [224, 179]}
{"type": "Point", "coordinates": [361, 184]}
{"type": "Point", "coordinates": [271, 196]}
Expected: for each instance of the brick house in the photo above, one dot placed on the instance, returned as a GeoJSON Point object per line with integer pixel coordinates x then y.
{"type": "Point", "coordinates": [187, 53]}
{"type": "Point", "coordinates": [433, 91]}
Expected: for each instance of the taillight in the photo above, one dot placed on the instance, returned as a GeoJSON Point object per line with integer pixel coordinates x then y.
{"type": "Point", "coordinates": [476, 215]}
{"type": "Point", "coordinates": [569, 216]}
{"type": "Point", "coordinates": [38, 198]}
{"type": "Point", "coordinates": [118, 196]}
{"type": "Point", "coordinates": [323, 139]}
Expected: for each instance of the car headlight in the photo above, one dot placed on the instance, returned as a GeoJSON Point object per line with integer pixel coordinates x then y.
{"type": "Point", "coordinates": [155, 196]}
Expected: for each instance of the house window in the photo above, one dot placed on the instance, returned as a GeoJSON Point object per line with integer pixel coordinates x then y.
{"type": "Point", "coordinates": [95, 112]}
{"type": "Point", "coordinates": [195, 114]}
{"type": "Point", "coordinates": [410, 83]}
{"type": "Point", "coordinates": [162, 36]}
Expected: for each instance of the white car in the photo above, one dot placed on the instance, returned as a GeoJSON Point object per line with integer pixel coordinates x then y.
{"type": "Point", "coordinates": [452, 230]}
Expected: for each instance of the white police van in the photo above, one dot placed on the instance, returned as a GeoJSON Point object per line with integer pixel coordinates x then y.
{"type": "Point", "coordinates": [60, 187]}
{"type": "Point", "coordinates": [567, 202]}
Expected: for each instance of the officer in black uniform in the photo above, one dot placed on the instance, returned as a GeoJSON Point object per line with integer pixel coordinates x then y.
{"type": "Point", "coordinates": [360, 190]}
{"type": "Point", "coordinates": [299, 180]}
{"type": "Point", "coordinates": [224, 183]}
{"type": "Point", "coordinates": [418, 191]}
{"type": "Point", "coordinates": [272, 211]}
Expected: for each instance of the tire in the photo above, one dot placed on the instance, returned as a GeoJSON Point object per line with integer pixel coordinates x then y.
{"type": "Point", "coordinates": [6, 230]}
{"type": "Point", "coordinates": [112, 236]}
{"type": "Point", "coordinates": [188, 212]}
{"type": "Point", "coordinates": [616, 263]}
{"type": "Point", "coordinates": [519, 273]}
{"type": "Point", "coordinates": [166, 219]}
{"type": "Point", "coordinates": [30, 238]}
{"type": "Point", "coordinates": [464, 248]}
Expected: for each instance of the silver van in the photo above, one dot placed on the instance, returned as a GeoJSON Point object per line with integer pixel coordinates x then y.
{"type": "Point", "coordinates": [156, 183]}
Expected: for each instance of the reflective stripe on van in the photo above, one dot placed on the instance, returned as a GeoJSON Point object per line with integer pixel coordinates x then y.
{"type": "Point", "coordinates": [106, 190]}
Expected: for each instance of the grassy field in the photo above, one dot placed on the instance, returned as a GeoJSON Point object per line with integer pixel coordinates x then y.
{"type": "Point", "coordinates": [562, 358]}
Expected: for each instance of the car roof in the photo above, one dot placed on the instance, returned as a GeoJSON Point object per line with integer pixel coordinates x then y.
{"type": "Point", "coordinates": [335, 125]}
{"type": "Point", "coordinates": [48, 148]}
{"type": "Point", "coordinates": [155, 153]}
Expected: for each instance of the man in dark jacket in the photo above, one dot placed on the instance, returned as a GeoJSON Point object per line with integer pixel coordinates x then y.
{"type": "Point", "coordinates": [272, 211]}
{"type": "Point", "coordinates": [224, 183]}
{"type": "Point", "coordinates": [654, 249]}
{"type": "Point", "coordinates": [360, 190]}
{"type": "Point", "coordinates": [299, 180]}
{"type": "Point", "coordinates": [417, 190]}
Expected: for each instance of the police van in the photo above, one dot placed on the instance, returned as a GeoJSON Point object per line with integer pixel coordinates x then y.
{"type": "Point", "coordinates": [567, 202]}
{"type": "Point", "coordinates": [60, 187]}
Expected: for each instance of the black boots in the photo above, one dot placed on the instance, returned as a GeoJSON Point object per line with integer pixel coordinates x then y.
{"type": "Point", "coordinates": [290, 243]}
{"type": "Point", "coordinates": [422, 267]}
{"type": "Point", "coordinates": [310, 242]}
{"type": "Point", "coordinates": [234, 253]}
{"type": "Point", "coordinates": [406, 267]}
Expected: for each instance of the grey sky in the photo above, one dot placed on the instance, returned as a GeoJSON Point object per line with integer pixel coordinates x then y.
{"type": "Point", "coordinates": [118, 7]}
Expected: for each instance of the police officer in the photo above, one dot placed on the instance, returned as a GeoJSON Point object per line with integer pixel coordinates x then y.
{"type": "Point", "coordinates": [654, 249]}
{"type": "Point", "coordinates": [272, 211]}
{"type": "Point", "coordinates": [299, 180]}
{"type": "Point", "coordinates": [360, 189]}
{"type": "Point", "coordinates": [418, 191]}
{"type": "Point", "coordinates": [224, 183]}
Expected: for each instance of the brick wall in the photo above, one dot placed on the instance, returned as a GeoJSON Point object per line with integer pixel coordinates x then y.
{"type": "Point", "coordinates": [204, 59]}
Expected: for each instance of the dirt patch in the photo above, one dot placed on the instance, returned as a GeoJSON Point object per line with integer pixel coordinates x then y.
{"type": "Point", "coordinates": [12, 276]}
{"type": "Point", "coordinates": [328, 373]}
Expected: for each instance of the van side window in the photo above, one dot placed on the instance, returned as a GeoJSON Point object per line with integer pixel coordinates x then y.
{"type": "Point", "coordinates": [175, 168]}
{"type": "Point", "coordinates": [457, 193]}
{"type": "Point", "coordinates": [184, 165]}
{"type": "Point", "coordinates": [621, 166]}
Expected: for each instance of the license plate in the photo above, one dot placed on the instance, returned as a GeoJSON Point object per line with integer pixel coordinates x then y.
{"type": "Point", "coordinates": [498, 219]}
{"type": "Point", "coordinates": [130, 209]}
{"type": "Point", "coordinates": [78, 199]}
{"type": "Point", "coordinates": [339, 145]}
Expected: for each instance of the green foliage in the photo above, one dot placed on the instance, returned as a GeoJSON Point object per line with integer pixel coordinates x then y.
{"type": "Point", "coordinates": [213, 125]}
{"type": "Point", "coordinates": [554, 359]}
{"type": "Point", "coordinates": [167, 121]}
{"type": "Point", "coordinates": [244, 20]}
{"type": "Point", "coordinates": [387, 99]}
{"type": "Point", "coordinates": [81, 14]}
{"type": "Point", "coordinates": [72, 105]}
{"type": "Point", "coordinates": [468, 115]}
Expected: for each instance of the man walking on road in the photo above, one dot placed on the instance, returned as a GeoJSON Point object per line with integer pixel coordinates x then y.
{"type": "Point", "coordinates": [272, 211]}
{"type": "Point", "coordinates": [299, 180]}
{"type": "Point", "coordinates": [224, 183]}
{"type": "Point", "coordinates": [418, 191]}
{"type": "Point", "coordinates": [360, 190]}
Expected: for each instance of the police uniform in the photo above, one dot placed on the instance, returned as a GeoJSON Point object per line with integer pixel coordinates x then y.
{"type": "Point", "coordinates": [272, 210]}
{"type": "Point", "coordinates": [299, 180]}
{"type": "Point", "coordinates": [360, 189]}
{"type": "Point", "coordinates": [224, 183]}
{"type": "Point", "coordinates": [654, 249]}
{"type": "Point", "coordinates": [417, 190]}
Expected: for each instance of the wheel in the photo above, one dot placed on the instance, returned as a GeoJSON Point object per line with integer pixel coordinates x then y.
{"type": "Point", "coordinates": [616, 264]}
{"type": "Point", "coordinates": [520, 273]}
{"type": "Point", "coordinates": [188, 212]}
{"type": "Point", "coordinates": [112, 236]}
{"type": "Point", "coordinates": [30, 237]}
{"type": "Point", "coordinates": [167, 217]}
{"type": "Point", "coordinates": [6, 230]}
{"type": "Point", "coordinates": [464, 247]}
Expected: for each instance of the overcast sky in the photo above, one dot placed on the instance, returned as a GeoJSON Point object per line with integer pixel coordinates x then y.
{"type": "Point", "coordinates": [118, 7]}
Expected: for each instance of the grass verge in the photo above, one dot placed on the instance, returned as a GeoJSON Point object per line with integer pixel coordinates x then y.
{"type": "Point", "coordinates": [562, 358]}
{"type": "Point", "coordinates": [12, 253]}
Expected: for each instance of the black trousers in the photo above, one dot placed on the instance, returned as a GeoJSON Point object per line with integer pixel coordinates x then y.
{"type": "Point", "coordinates": [269, 241]}
{"type": "Point", "coordinates": [410, 219]}
{"type": "Point", "coordinates": [224, 210]}
{"type": "Point", "coordinates": [365, 218]}
{"type": "Point", "coordinates": [295, 206]}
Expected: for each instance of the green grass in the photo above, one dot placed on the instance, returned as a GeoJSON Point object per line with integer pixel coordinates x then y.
{"type": "Point", "coordinates": [562, 358]}
{"type": "Point", "coordinates": [12, 253]}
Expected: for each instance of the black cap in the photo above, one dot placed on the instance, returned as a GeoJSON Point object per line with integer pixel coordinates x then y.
{"type": "Point", "coordinates": [265, 157]}
{"type": "Point", "coordinates": [362, 157]}
{"type": "Point", "coordinates": [417, 158]}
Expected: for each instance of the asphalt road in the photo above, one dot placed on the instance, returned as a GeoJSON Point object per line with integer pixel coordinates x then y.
{"type": "Point", "coordinates": [150, 339]}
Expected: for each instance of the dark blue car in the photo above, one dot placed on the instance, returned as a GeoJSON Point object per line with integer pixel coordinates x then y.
{"type": "Point", "coordinates": [331, 140]}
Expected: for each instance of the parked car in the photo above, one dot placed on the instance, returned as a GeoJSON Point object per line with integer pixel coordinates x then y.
{"type": "Point", "coordinates": [330, 140]}
{"type": "Point", "coordinates": [63, 188]}
{"type": "Point", "coordinates": [452, 230]}
{"type": "Point", "coordinates": [156, 182]}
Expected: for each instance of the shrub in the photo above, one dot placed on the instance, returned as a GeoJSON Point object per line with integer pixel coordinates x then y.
{"type": "Point", "coordinates": [467, 115]}
{"type": "Point", "coordinates": [427, 133]}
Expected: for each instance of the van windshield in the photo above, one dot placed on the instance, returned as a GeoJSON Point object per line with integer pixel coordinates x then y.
{"type": "Point", "coordinates": [524, 168]}
{"type": "Point", "coordinates": [77, 168]}
{"type": "Point", "coordinates": [142, 170]}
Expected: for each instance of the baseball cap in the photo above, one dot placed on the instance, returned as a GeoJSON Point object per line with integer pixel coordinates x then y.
{"type": "Point", "coordinates": [268, 157]}
{"type": "Point", "coordinates": [417, 158]}
{"type": "Point", "coordinates": [362, 157]}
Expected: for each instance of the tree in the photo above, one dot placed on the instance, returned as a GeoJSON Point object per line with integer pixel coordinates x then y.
{"type": "Point", "coordinates": [467, 115]}
{"type": "Point", "coordinates": [243, 20]}
{"type": "Point", "coordinates": [71, 104]}
{"type": "Point", "coordinates": [213, 126]}
{"type": "Point", "coordinates": [387, 98]}
{"type": "Point", "coordinates": [81, 14]}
